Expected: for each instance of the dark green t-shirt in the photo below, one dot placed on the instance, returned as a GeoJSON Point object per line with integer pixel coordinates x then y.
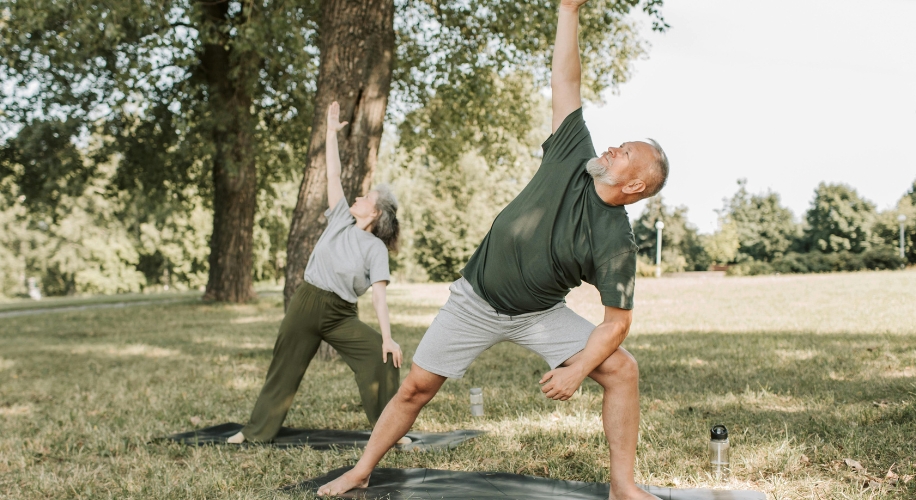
{"type": "Point", "coordinates": [556, 234]}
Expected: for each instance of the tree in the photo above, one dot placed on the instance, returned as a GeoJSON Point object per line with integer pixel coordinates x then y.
{"type": "Point", "coordinates": [722, 246]}
{"type": "Point", "coordinates": [886, 228]}
{"type": "Point", "coordinates": [459, 71]}
{"type": "Point", "coordinates": [839, 219]}
{"type": "Point", "coordinates": [681, 247]}
{"type": "Point", "coordinates": [215, 95]}
{"type": "Point", "coordinates": [461, 200]}
{"type": "Point", "coordinates": [765, 229]}
{"type": "Point", "coordinates": [82, 247]}
{"type": "Point", "coordinates": [185, 93]}
{"type": "Point", "coordinates": [171, 239]}
{"type": "Point", "coordinates": [357, 53]}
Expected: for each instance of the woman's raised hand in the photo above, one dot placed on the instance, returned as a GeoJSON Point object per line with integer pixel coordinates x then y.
{"type": "Point", "coordinates": [334, 124]}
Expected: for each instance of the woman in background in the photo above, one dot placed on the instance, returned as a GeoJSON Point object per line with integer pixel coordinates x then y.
{"type": "Point", "coordinates": [350, 256]}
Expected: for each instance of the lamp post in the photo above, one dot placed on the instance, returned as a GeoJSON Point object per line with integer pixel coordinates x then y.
{"type": "Point", "coordinates": [901, 219]}
{"type": "Point", "coordinates": [658, 249]}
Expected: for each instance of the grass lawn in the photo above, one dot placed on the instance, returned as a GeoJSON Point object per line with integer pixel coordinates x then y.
{"type": "Point", "coordinates": [54, 303]}
{"type": "Point", "coordinates": [806, 371]}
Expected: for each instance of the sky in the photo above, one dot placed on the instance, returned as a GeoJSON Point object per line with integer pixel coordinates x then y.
{"type": "Point", "coordinates": [785, 94]}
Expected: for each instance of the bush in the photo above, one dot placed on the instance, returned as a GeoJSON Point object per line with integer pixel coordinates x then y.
{"type": "Point", "coordinates": [792, 262]}
{"type": "Point", "coordinates": [644, 268]}
{"type": "Point", "coordinates": [883, 257]}
{"type": "Point", "coordinates": [750, 268]}
{"type": "Point", "coordinates": [822, 262]}
{"type": "Point", "coordinates": [847, 261]}
{"type": "Point", "coordinates": [812, 262]}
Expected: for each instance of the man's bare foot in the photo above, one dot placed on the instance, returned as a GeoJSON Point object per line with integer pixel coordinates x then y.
{"type": "Point", "coordinates": [635, 493]}
{"type": "Point", "coordinates": [236, 439]}
{"type": "Point", "coordinates": [343, 484]}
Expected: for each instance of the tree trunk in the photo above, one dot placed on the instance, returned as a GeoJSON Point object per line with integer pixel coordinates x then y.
{"type": "Point", "coordinates": [357, 54]}
{"type": "Point", "coordinates": [234, 169]}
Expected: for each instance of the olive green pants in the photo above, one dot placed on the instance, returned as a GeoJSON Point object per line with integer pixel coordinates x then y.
{"type": "Point", "coordinates": [315, 315]}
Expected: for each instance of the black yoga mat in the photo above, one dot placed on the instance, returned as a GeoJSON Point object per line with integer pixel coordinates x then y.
{"type": "Point", "coordinates": [428, 484]}
{"type": "Point", "coordinates": [323, 439]}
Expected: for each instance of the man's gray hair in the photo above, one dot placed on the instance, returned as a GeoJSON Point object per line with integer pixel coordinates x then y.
{"type": "Point", "coordinates": [656, 175]}
{"type": "Point", "coordinates": [386, 226]}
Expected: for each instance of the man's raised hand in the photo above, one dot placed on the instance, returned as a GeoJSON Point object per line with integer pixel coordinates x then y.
{"type": "Point", "coordinates": [566, 73]}
{"type": "Point", "coordinates": [334, 124]}
{"type": "Point", "coordinates": [572, 3]}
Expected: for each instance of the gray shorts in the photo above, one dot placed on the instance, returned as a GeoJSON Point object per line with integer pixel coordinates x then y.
{"type": "Point", "coordinates": [466, 326]}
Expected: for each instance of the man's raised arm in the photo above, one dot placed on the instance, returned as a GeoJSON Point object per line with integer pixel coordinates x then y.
{"type": "Point", "coordinates": [567, 70]}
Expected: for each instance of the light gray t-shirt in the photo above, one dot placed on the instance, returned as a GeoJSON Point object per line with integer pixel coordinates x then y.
{"type": "Point", "coordinates": [346, 260]}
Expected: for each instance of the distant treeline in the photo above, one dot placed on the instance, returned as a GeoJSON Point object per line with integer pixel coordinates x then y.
{"type": "Point", "coordinates": [841, 231]}
{"type": "Point", "coordinates": [98, 242]}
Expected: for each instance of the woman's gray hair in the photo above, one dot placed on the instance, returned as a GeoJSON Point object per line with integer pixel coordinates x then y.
{"type": "Point", "coordinates": [386, 226]}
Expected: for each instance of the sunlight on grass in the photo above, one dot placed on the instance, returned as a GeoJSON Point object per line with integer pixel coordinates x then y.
{"type": "Point", "coordinates": [243, 383]}
{"type": "Point", "coordinates": [796, 354]}
{"type": "Point", "coordinates": [234, 343]}
{"type": "Point", "coordinates": [806, 371]}
{"type": "Point", "coordinates": [16, 410]}
{"type": "Point", "coordinates": [143, 350]}
{"type": "Point", "coordinates": [247, 320]}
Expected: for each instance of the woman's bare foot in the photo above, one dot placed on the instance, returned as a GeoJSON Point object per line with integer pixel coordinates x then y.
{"type": "Point", "coordinates": [236, 439]}
{"type": "Point", "coordinates": [343, 484]}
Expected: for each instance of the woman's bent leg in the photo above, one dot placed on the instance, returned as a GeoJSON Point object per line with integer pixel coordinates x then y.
{"type": "Point", "coordinates": [360, 346]}
{"type": "Point", "coordinates": [295, 347]}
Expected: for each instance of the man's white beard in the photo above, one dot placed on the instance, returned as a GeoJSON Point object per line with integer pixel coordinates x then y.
{"type": "Point", "coordinates": [600, 174]}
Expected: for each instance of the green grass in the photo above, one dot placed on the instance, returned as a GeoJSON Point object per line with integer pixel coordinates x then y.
{"type": "Point", "coordinates": [806, 371]}
{"type": "Point", "coordinates": [10, 305]}
{"type": "Point", "coordinates": [15, 305]}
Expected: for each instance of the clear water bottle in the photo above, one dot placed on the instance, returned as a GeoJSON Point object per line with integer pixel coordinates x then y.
{"type": "Point", "coordinates": [718, 452]}
{"type": "Point", "coordinates": [476, 402]}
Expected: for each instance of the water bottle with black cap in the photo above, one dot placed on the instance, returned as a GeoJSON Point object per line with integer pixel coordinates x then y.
{"type": "Point", "coordinates": [718, 452]}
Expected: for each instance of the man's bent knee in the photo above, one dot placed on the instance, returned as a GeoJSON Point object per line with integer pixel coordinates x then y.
{"type": "Point", "coordinates": [621, 365]}
{"type": "Point", "coordinates": [420, 386]}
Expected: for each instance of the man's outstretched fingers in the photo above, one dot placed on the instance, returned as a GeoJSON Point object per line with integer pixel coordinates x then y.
{"type": "Point", "coordinates": [574, 3]}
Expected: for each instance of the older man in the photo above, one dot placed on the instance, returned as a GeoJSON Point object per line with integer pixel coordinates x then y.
{"type": "Point", "coordinates": [567, 226]}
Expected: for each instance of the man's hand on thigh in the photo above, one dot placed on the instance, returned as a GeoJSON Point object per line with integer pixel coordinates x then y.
{"type": "Point", "coordinates": [561, 383]}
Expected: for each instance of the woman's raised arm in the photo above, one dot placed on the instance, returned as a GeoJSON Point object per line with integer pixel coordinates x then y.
{"type": "Point", "coordinates": [332, 155]}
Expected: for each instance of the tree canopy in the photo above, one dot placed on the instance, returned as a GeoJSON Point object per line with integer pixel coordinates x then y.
{"type": "Point", "coordinates": [214, 100]}
{"type": "Point", "coordinates": [765, 229]}
{"type": "Point", "coordinates": [839, 219]}
{"type": "Point", "coordinates": [681, 246]}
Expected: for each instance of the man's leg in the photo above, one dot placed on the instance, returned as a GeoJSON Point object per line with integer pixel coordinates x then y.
{"type": "Point", "coordinates": [418, 388]}
{"type": "Point", "coordinates": [464, 328]}
{"type": "Point", "coordinates": [619, 376]}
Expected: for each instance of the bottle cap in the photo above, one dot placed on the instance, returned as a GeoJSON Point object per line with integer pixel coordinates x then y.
{"type": "Point", "coordinates": [718, 433]}
{"type": "Point", "coordinates": [476, 390]}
